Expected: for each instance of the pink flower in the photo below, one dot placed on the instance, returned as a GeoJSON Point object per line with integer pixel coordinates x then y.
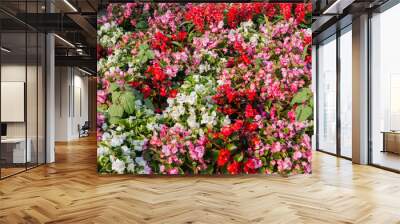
{"type": "Point", "coordinates": [276, 147]}
{"type": "Point", "coordinates": [297, 155]}
{"type": "Point", "coordinates": [101, 96]}
{"type": "Point", "coordinates": [173, 171]}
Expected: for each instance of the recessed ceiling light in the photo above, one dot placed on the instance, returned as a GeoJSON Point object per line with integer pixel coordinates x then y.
{"type": "Point", "coordinates": [70, 5]}
{"type": "Point", "coordinates": [86, 72]}
{"type": "Point", "coordinates": [5, 50]}
{"type": "Point", "coordinates": [64, 40]}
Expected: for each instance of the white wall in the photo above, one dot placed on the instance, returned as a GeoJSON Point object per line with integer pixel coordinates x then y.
{"type": "Point", "coordinates": [70, 83]}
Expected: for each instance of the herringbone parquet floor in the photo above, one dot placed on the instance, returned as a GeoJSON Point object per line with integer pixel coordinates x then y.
{"type": "Point", "coordinates": [70, 191]}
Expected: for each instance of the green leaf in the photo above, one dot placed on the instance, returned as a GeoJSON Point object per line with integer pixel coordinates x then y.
{"type": "Point", "coordinates": [231, 147]}
{"type": "Point", "coordinates": [149, 104]}
{"type": "Point", "coordinates": [115, 96]}
{"type": "Point", "coordinates": [113, 87]}
{"type": "Point", "coordinates": [303, 112]}
{"type": "Point", "coordinates": [177, 44]}
{"type": "Point", "coordinates": [128, 102]}
{"type": "Point", "coordinates": [301, 96]}
{"type": "Point", "coordinates": [116, 110]}
{"type": "Point", "coordinates": [141, 25]}
{"type": "Point", "coordinates": [239, 157]}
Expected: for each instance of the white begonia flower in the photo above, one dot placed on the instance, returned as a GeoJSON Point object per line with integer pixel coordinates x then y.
{"type": "Point", "coordinates": [140, 161]}
{"type": "Point", "coordinates": [119, 128]}
{"type": "Point", "coordinates": [221, 24]}
{"type": "Point", "coordinates": [138, 103]}
{"type": "Point", "coordinates": [101, 151]}
{"type": "Point", "coordinates": [106, 136]}
{"type": "Point", "coordinates": [226, 121]}
{"type": "Point", "coordinates": [191, 99]}
{"type": "Point", "coordinates": [199, 88]}
{"type": "Point", "coordinates": [125, 150]}
{"type": "Point", "coordinates": [117, 140]}
{"type": "Point", "coordinates": [254, 39]}
{"type": "Point", "coordinates": [196, 78]}
{"type": "Point", "coordinates": [170, 101]}
{"type": "Point", "coordinates": [191, 121]}
{"type": "Point", "coordinates": [118, 166]}
{"type": "Point", "coordinates": [131, 168]}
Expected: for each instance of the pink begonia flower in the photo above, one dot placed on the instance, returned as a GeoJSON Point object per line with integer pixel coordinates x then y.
{"type": "Point", "coordinates": [276, 147]}
{"type": "Point", "coordinates": [292, 116]}
{"type": "Point", "coordinates": [101, 96]}
{"type": "Point", "coordinates": [306, 141]}
{"type": "Point", "coordinates": [100, 119]}
{"type": "Point", "coordinates": [297, 155]}
{"type": "Point", "coordinates": [173, 171]}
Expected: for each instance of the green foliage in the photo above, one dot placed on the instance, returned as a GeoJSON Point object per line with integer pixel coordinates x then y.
{"type": "Point", "coordinates": [302, 96]}
{"type": "Point", "coordinates": [145, 54]}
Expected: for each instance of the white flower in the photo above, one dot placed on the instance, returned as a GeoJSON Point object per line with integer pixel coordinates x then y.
{"type": "Point", "coordinates": [192, 121]}
{"type": "Point", "coordinates": [106, 136]}
{"type": "Point", "coordinates": [138, 103]}
{"type": "Point", "coordinates": [140, 161]}
{"type": "Point", "coordinates": [226, 121]}
{"type": "Point", "coordinates": [130, 168]}
{"type": "Point", "coordinates": [118, 166]}
{"type": "Point", "coordinates": [101, 151]}
{"type": "Point", "coordinates": [191, 99]}
{"type": "Point", "coordinates": [199, 88]}
{"type": "Point", "coordinates": [117, 140]}
{"type": "Point", "coordinates": [125, 150]}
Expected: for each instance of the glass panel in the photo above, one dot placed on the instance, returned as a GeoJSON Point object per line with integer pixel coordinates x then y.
{"type": "Point", "coordinates": [13, 86]}
{"type": "Point", "coordinates": [41, 99]}
{"type": "Point", "coordinates": [327, 96]}
{"type": "Point", "coordinates": [385, 84]}
{"type": "Point", "coordinates": [346, 93]}
{"type": "Point", "coordinates": [31, 100]}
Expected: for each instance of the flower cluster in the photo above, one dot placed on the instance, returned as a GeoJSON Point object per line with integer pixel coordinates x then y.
{"type": "Point", "coordinates": [204, 88]}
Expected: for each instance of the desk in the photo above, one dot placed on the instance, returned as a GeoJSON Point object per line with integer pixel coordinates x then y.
{"type": "Point", "coordinates": [391, 141]}
{"type": "Point", "coordinates": [16, 147]}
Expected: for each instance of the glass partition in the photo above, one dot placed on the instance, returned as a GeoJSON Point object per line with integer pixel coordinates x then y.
{"type": "Point", "coordinates": [22, 77]}
{"type": "Point", "coordinates": [327, 95]}
{"type": "Point", "coordinates": [385, 89]}
{"type": "Point", "coordinates": [346, 92]}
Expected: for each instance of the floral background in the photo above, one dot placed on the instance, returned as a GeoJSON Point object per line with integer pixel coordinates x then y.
{"type": "Point", "coordinates": [204, 88]}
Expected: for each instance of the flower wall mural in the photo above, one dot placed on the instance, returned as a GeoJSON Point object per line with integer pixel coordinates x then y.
{"type": "Point", "coordinates": [204, 89]}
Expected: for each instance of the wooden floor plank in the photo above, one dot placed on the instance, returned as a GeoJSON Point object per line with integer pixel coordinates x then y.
{"type": "Point", "coordinates": [70, 191]}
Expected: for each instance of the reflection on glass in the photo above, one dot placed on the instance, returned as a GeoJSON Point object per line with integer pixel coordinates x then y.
{"type": "Point", "coordinates": [327, 96]}
{"type": "Point", "coordinates": [346, 93]}
{"type": "Point", "coordinates": [385, 86]}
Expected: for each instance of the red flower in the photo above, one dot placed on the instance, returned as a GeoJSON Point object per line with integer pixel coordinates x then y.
{"type": "Point", "coordinates": [252, 126]}
{"type": "Point", "coordinates": [163, 91]}
{"type": "Point", "coordinates": [230, 63]}
{"type": "Point", "coordinates": [300, 13]}
{"type": "Point", "coordinates": [157, 72]}
{"type": "Point", "coordinates": [249, 166]}
{"type": "Point", "coordinates": [233, 168]}
{"type": "Point", "coordinates": [223, 157]}
{"type": "Point", "coordinates": [237, 125]}
{"type": "Point", "coordinates": [146, 90]}
{"type": "Point", "coordinates": [160, 41]}
{"type": "Point", "coordinates": [226, 131]}
{"type": "Point", "coordinates": [181, 36]}
{"type": "Point", "coordinates": [286, 10]}
{"type": "Point", "coordinates": [250, 112]}
{"type": "Point", "coordinates": [173, 93]}
{"type": "Point", "coordinates": [251, 94]}
{"type": "Point", "coordinates": [134, 84]}
{"type": "Point", "coordinates": [245, 59]}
